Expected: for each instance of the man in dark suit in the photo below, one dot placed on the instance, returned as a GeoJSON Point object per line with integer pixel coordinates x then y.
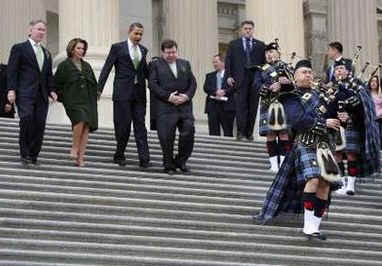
{"type": "Point", "coordinates": [174, 85]}
{"type": "Point", "coordinates": [335, 50]}
{"type": "Point", "coordinates": [7, 109]}
{"type": "Point", "coordinates": [129, 94]}
{"type": "Point", "coordinates": [220, 108]}
{"type": "Point", "coordinates": [242, 55]}
{"type": "Point", "coordinates": [29, 85]}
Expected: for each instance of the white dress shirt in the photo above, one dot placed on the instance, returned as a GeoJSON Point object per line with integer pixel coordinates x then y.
{"type": "Point", "coordinates": [131, 50]}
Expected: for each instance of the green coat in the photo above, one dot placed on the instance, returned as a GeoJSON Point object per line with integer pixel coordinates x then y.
{"type": "Point", "coordinates": [77, 90]}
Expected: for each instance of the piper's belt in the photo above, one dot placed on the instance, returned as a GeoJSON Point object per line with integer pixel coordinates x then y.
{"type": "Point", "coordinates": [310, 139]}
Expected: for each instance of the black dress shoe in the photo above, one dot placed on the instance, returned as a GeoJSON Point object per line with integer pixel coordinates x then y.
{"type": "Point", "coordinates": [250, 138]}
{"type": "Point", "coordinates": [317, 235]}
{"type": "Point", "coordinates": [35, 162]}
{"type": "Point", "coordinates": [145, 164]}
{"type": "Point", "coordinates": [169, 171]}
{"type": "Point", "coordinates": [239, 137]}
{"type": "Point", "coordinates": [25, 161]}
{"type": "Point", "coordinates": [184, 168]}
{"type": "Point", "coordinates": [120, 161]}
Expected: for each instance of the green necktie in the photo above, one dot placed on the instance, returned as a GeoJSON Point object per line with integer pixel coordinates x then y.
{"type": "Point", "coordinates": [135, 56]}
{"type": "Point", "coordinates": [39, 56]}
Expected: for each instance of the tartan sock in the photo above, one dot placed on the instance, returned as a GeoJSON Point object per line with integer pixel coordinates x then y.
{"type": "Point", "coordinates": [285, 146]}
{"type": "Point", "coordinates": [353, 169]}
{"type": "Point", "coordinates": [309, 199]}
{"type": "Point", "coordinates": [320, 207]}
{"type": "Point", "coordinates": [273, 149]}
{"type": "Point", "coordinates": [341, 166]}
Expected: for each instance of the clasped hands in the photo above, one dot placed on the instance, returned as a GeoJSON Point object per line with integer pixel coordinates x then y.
{"type": "Point", "coordinates": [177, 98]}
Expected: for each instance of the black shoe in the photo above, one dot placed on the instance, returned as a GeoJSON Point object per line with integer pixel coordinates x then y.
{"type": "Point", "coordinates": [239, 137]}
{"type": "Point", "coordinates": [120, 161]}
{"type": "Point", "coordinates": [25, 161]}
{"type": "Point", "coordinates": [169, 171]}
{"type": "Point", "coordinates": [145, 164]}
{"type": "Point", "coordinates": [258, 219]}
{"type": "Point", "coordinates": [317, 235]}
{"type": "Point", "coordinates": [250, 138]}
{"type": "Point", "coordinates": [35, 162]}
{"type": "Point", "coordinates": [184, 168]}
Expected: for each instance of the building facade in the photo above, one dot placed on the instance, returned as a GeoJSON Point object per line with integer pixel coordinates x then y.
{"type": "Point", "coordinates": [201, 27]}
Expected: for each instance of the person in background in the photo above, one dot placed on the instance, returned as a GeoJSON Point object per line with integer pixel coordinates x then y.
{"type": "Point", "coordinates": [374, 86]}
{"type": "Point", "coordinates": [7, 109]}
{"type": "Point", "coordinates": [220, 107]}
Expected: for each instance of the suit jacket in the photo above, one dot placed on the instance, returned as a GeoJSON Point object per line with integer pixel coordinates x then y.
{"type": "Point", "coordinates": [24, 74]}
{"type": "Point", "coordinates": [235, 61]}
{"type": "Point", "coordinates": [125, 72]}
{"type": "Point", "coordinates": [210, 88]}
{"type": "Point", "coordinates": [162, 83]}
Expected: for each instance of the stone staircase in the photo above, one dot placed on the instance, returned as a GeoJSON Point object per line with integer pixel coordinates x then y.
{"type": "Point", "coordinates": [103, 214]}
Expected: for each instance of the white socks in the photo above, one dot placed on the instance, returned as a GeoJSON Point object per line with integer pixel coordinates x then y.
{"type": "Point", "coordinates": [342, 190]}
{"type": "Point", "coordinates": [274, 164]}
{"type": "Point", "coordinates": [311, 222]}
{"type": "Point", "coordinates": [350, 189]}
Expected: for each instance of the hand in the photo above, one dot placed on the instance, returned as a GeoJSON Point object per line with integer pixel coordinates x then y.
{"type": "Point", "coordinates": [284, 80]}
{"type": "Point", "coordinates": [275, 87]}
{"type": "Point", "coordinates": [172, 97]}
{"type": "Point", "coordinates": [333, 123]}
{"type": "Point", "coordinates": [181, 99]}
{"type": "Point", "coordinates": [230, 82]}
{"type": "Point", "coordinates": [53, 96]}
{"type": "Point", "coordinates": [7, 108]}
{"type": "Point", "coordinates": [220, 93]}
{"type": "Point", "coordinates": [11, 96]}
{"type": "Point", "coordinates": [343, 116]}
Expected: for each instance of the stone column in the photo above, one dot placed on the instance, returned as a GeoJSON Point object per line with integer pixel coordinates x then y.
{"type": "Point", "coordinates": [354, 22]}
{"type": "Point", "coordinates": [197, 38]}
{"type": "Point", "coordinates": [15, 16]}
{"type": "Point", "coordinates": [96, 21]}
{"type": "Point", "coordinates": [282, 20]}
{"type": "Point", "coordinates": [279, 19]}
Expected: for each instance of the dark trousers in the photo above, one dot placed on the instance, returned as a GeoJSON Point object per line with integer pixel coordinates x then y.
{"type": "Point", "coordinates": [166, 127]}
{"type": "Point", "coordinates": [33, 115]}
{"type": "Point", "coordinates": [246, 103]}
{"type": "Point", "coordinates": [126, 112]}
{"type": "Point", "coordinates": [218, 117]}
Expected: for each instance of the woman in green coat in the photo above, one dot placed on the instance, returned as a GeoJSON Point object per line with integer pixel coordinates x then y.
{"type": "Point", "coordinates": [77, 90]}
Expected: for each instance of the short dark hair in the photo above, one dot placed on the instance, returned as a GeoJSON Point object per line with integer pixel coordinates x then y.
{"type": "Point", "coordinates": [336, 45]}
{"type": "Point", "coordinates": [221, 56]}
{"type": "Point", "coordinates": [72, 44]}
{"type": "Point", "coordinates": [249, 22]}
{"type": "Point", "coordinates": [135, 25]}
{"type": "Point", "coordinates": [168, 44]}
{"type": "Point", "coordinates": [37, 21]}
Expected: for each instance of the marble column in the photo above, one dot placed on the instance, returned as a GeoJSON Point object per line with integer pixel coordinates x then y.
{"type": "Point", "coordinates": [197, 38]}
{"type": "Point", "coordinates": [96, 21]}
{"type": "Point", "coordinates": [15, 16]}
{"type": "Point", "coordinates": [354, 22]}
{"type": "Point", "coordinates": [279, 19]}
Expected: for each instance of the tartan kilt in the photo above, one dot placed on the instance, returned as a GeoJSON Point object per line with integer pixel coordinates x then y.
{"type": "Point", "coordinates": [263, 122]}
{"type": "Point", "coordinates": [306, 165]}
{"type": "Point", "coordinates": [353, 140]}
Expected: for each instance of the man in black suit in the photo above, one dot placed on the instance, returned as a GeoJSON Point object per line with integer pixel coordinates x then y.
{"type": "Point", "coordinates": [7, 109]}
{"type": "Point", "coordinates": [29, 85]}
{"type": "Point", "coordinates": [220, 108]}
{"type": "Point", "coordinates": [174, 85]}
{"type": "Point", "coordinates": [129, 94]}
{"type": "Point", "coordinates": [242, 55]}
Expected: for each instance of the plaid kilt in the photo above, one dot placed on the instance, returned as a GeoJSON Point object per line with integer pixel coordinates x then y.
{"type": "Point", "coordinates": [353, 140]}
{"type": "Point", "coordinates": [285, 193]}
{"type": "Point", "coordinates": [263, 123]}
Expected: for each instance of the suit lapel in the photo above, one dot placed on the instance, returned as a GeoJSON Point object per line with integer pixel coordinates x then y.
{"type": "Point", "coordinates": [127, 50]}
{"type": "Point", "coordinates": [31, 54]}
{"type": "Point", "coordinates": [241, 48]}
{"type": "Point", "coordinates": [167, 66]}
